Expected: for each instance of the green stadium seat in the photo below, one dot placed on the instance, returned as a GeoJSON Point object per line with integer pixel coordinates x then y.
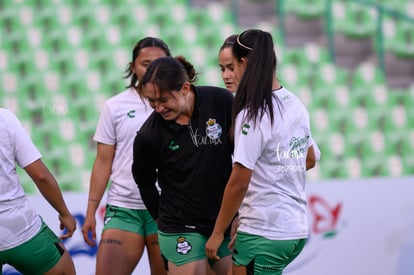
{"type": "Point", "coordinates": [374, 145]}
{"type": "Point", "coordinates": [408, 164]}
{"type": "Point", "coordinates": [315, 54]}
{"type": "Point", "coordinates": [61, 15]}
{"type": "Point", "coordinates": [353, 168]}
{"type": "Point", "coordinates": [304, 94]}
{"type": "Point", "coordinates": [393, 166]}
{"type": "Point", "coordinates": [399, 38]}
{"type": "Point", "coordinates": [333, 169]}
{"type": "Point", "coordinates": [214, 22]}
{"type": "Point", "coordinates": [396, 119]}
{"type": "Point", "coordinates": [167, 3]}
{"type": "Point", "coordinates": [376, 96]}
{"type": "Point", "coordinates": [325, 80]}
{"type": "Point", "coordinates": [295, 56]}
{"type": "Point", "coordinates": [367, 73]}
{"type": "Point", "coordinates": [11, 102]}
{"type": "Point", "coordinates": [362, 119]}
{"type": "Point", "coordinates": [4, 60]}
{"type": "Point", "coordinates": [327, 76]}
{"type": "Point", "coordinates": [407, 146]}
{"type": "Point", "coordinates": [306, 9]}
{"type": "Point", "coordinates": [9, 82]}
{"type": "Point", "coordinates": [210, 76]}
{"type": "Point", "coordinates": [354, 19]}
{"type": "Point", "coordinates": [397, 5]}
{"type": "Point", "coordinates": [394, 141]}
{"type": "Point", "coordinates": [292, 76]}
{"type": "Point", "coordinates": [338, 99]}
{"type": "Point", "coordinates": [372, 167]}
{"type": "Point", "coordinates": [60, 61]}
{"type": "Point", "coordinates": [320, 122]}
{"type": "Point", "coordinates": [409, 8]}
{"type": "Point", "coordinates": [337, 145]}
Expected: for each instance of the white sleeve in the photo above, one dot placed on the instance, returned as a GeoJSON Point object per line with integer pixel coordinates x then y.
{"type": "Point", "coordinates": [249, 141]}
{"type": "Point", "coordinates": [315, 149]}
{"type": "Point", "coordinates": [105, 131]}
{"type": "Point", "coordinates": [24, 148]}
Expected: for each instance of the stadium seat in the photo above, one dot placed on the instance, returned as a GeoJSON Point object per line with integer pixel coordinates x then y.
{"type": "Point", "coordinates": [360, 124]}
{"type": "Point", "coordinates": [210, 76]}
{"type": "Point", "coordinates": [354, 19]}
{"type": "Point", "coordinates": [407, 145]}
{"type": "Point", "coordinates": [353, 168]}
{"type": "Point", "coordinates": [375, 96]}
{"type": "Point", "coordinates": [392, 166]}
{"type": "Point", "coordinates": [304, 94]}
{"type": "Point", "coordinates": [320, 121]}
{"type": "Point", "coordinates": [408, 164]}
{"type": "Point", "coordinates": [367, 73]}
{"type": "Point", "coordinates": [60, 61]}
{"type": "Point", "coordinates": [292, 76]}
{"type": "Point", "coordinates": [402, 43]}
{"type": "Point", "coordinates": [315, 54]}
{"type": "Point", "coordinates": [305, 8]}
{"type": "Point", "coordinates": [338, 99]}
{"type": "Point", "coordinates": [328, 76]}
{"type": "Point", "coordinates": [396, 119]}
{"type": "Point", "coordinates": [373, 146]}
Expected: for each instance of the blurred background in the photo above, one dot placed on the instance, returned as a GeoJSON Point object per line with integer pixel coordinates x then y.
{"type": "Point", "coordinates": [351, 63]}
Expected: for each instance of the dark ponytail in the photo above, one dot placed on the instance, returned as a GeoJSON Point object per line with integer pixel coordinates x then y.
{"type": "Point", "coordinates": [254, 92]}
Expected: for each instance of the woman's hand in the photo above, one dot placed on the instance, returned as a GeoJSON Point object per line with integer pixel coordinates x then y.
{"type": "Point", "coordinates": [212, 246]}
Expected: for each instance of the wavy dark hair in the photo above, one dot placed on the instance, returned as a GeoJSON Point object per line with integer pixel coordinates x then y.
{"type": "Point", "coordinates": [168, 74]}
{"type": "Point", "coordinates": [143, 43]}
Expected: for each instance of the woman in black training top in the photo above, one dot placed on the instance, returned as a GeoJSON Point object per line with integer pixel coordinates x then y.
{"type": "Point", "coordinates": [185, 146]}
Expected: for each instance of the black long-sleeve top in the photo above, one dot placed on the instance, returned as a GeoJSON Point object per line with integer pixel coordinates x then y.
{"type": "Point", "coordinates": [192, 163]}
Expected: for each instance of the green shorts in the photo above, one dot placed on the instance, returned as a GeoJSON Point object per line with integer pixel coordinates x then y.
{"type": "Point", "coordinates": [37, 255]}
{"type": "Point", "coordinates": [132, 220]}
{"type": "Point", "coordinates": [263, 255]}
{"type": "Point", "coordinates": [188, 247]}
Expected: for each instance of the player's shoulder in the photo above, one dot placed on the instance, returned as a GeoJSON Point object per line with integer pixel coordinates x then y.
{"type": "Point", "coordinates": [6, 112]}
{"type": "Point", "coordinates": [118, 98]}
{"type": "Point", "coordinates": [7, 115]}
{"type": "Point", "coordinates": [213, 93]}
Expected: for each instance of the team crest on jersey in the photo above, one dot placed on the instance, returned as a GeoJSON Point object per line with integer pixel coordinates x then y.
{"type": "Point", "coordinates": [213, 129]}
{"type": "Point", "coordinates": [183, 246]}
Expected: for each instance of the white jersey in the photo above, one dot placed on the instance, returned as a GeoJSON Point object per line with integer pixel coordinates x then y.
{"type": "Point", "coordinates": [122, 116]}
{"type": "Point", "coordinates": [275, 205]}
{"type": "Point", "coordinates": [18, 221]}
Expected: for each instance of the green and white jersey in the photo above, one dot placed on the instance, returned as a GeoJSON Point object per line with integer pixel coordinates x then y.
{"type": "Point", "coordinates": [18, 221]}
{"type": "Point", "coordinates": [275, 204]}
{"type": "Point", "coordinates": [122, 116]}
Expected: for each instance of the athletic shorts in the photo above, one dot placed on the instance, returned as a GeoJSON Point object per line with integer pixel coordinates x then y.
{"type": "Point", "coordinates": [184, 248]}
{"type": "Point", "coordinates": [37, 255]}
{"type": "Point", "coordinates": [131, 220]}
{"type": "Point", "coordinates": [265, 256]}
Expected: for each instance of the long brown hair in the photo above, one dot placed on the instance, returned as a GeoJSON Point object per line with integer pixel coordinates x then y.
{"type": "Point", "coordinates": [254, 92]}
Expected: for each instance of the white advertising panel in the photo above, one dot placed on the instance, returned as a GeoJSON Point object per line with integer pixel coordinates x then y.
{"type": "Point", "coordinates": [357, 227]}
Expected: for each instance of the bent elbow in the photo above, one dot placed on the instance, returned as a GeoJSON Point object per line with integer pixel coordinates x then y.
{"type": "Point", "coordinates": [310, 164]}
